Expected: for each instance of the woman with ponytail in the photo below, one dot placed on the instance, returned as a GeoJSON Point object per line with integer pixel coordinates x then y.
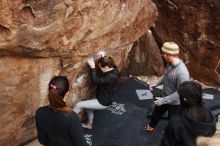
{"type": "Point", "coordinates": [195, 120]}
{"type": "Point", "coordinates": [57, 124]}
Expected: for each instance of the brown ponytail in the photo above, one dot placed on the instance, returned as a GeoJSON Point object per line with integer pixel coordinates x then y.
{"type": "Point", "coordinates": [58, 87]}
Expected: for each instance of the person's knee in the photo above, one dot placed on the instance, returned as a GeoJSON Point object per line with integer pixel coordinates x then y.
{"type": "Point", "coordinates": [77, 108]}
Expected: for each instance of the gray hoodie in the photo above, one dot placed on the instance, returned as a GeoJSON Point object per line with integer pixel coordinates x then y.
{"type": "Point", "coordinates": [174, 76]}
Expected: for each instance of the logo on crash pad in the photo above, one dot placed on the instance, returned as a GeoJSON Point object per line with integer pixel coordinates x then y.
{"type": "Point", "coordinates": [88, 139]}
{"type": "Point", "coordinates": [117, 108]}
{"type": "Point", "coordinates": [144, 94]}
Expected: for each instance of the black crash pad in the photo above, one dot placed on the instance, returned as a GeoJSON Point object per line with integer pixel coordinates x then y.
{"type": "Point", "coordinates": [122, 124]}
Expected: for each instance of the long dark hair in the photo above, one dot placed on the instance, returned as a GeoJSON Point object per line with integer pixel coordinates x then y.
{"type": "Point", "coordinates": [190, 94]}
{"type": "Point", "coordinates": [58, 87]}
{"type": "Point", "coordinates": [107, 61]}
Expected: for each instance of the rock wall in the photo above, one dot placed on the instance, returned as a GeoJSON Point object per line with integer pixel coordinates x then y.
{"type": "Point", "coordinates": [195, 26]}
{"type": "Point", "coordinates": [22, 89]}
{"type": "Point", "coordinates": [144, 59]}
{"type": "Point", "coordinates": [43, 38]}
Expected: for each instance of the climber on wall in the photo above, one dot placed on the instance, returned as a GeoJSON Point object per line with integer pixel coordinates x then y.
{"type": "Point", "coordinates": [105, 85]}
{"type": "Point", "coordinates": [175, 74]}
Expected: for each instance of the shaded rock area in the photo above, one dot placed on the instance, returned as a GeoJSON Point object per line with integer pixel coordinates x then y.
{"type": "Point", "coordinates": [195, 26]}
{"type": "Point", "coordinates": [43, 38]}
{"type": "Point", "coordinates": [144, 57]}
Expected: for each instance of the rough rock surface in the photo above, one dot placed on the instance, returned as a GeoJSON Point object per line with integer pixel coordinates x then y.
{"type": "Point", "coordinates": [195, 26]}
{"type": "Point", "coordinates": [42, 38]}
{"type": "Point", "coordinates": [144, 57]}
{"type": "Point", "coordinates": [22, 89]}
{"type": "Point", "coordinates": [71, 28]}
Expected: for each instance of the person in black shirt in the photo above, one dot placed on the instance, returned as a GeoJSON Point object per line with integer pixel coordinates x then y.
{"type": "Point", "coordinates": [194, 120]}
{"type": "Point", "coordinates": [105, 85]}
{"type": "Point", "coordinates": [57, 124]}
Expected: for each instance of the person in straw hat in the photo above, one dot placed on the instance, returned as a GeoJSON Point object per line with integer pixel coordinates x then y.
{"type": "Point", "coordinates": [175, 73]}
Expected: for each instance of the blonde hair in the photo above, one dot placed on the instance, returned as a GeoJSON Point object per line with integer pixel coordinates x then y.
{"type": "Point", "coordinates": [58, 87]}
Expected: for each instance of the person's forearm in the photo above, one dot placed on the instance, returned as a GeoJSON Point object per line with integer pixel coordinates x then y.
{"type": "Point", "coordinates": [93, 76]}
{"type": "Point", "coordinates": [167, 100]}
{"type": "Point", "coordinates": [171, 98]}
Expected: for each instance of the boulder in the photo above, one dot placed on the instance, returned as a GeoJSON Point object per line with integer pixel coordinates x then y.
{"type": "Point", "coordinates": [43, 38]}
{"type": "Point", "coordinates": [195, 27]}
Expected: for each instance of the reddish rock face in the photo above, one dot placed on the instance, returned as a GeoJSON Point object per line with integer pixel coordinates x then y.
{"type": "Point", "coordinates": [71, 28]}
{"type": "Point", "coordinates": [195, 26]}
{"type": "Point", "coordinates": [65, 33]}
{"type": "Point", "coordinates": [23, 88]}
{"type": "Point", "coordinates": [144, 59]}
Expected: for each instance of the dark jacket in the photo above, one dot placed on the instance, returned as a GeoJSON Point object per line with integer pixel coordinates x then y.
{"type": "Point", "coordinates": [58, 128]}
{"type": "Point", "coordinates": [183, 131]}
{"type": "Point", "coordinates": [105, 85]}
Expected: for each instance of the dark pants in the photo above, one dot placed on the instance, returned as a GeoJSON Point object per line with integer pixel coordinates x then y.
{"type": "Point", "coordinates": [160, 110]}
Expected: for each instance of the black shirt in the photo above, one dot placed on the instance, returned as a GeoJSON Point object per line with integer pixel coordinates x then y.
{"type": "Point", "coordinates": [105, 85]}
{"type": "Point", "coordinates": [183, 131]}
{"type": "Point", "coordinates": [58, 128]}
